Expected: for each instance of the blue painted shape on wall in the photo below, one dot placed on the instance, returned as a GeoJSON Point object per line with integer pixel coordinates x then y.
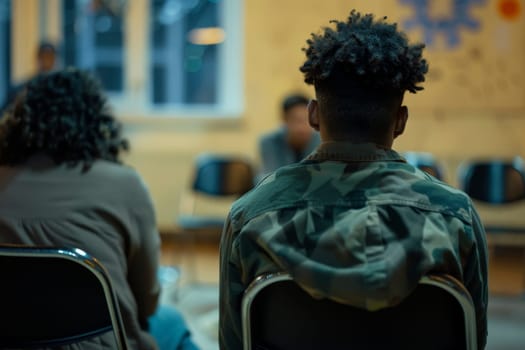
{"type": "Point", "coordinates": [450, 26]}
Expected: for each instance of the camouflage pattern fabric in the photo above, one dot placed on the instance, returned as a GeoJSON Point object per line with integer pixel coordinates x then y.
{"type": "Point", "coordinates": [353, 223]}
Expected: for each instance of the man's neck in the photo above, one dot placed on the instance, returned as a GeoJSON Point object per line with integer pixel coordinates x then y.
{"type": "Point", "coordinates": [385, 143]}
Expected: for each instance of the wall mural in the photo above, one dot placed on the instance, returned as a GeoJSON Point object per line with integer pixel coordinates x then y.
{"type": "Point", "coordinates": [476, 50]}
{"type": "Point", "coordinates": [450, 25]}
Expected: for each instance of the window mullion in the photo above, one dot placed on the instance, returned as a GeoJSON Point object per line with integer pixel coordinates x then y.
{"type": "Point", "coordinates": [53, 21]}
{"type": "Point", "coordinates": [136, 53]}
{"type": "Point", "coordinates": [231, 90]}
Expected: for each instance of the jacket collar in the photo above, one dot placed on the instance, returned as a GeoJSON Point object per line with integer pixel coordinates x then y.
{"type": "Point", "coordinates": [354, 152]}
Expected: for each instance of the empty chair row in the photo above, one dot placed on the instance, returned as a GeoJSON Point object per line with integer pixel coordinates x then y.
{"type": "Point", "coordinates": [495, 181]}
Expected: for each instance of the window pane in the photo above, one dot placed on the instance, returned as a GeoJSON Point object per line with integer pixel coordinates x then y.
{"type": "Point", "coordinates": [94, 40]}
{"type": "Point", "coordinates": [182, 71]}
{"type": "Point", "coordinates": [5, 51]}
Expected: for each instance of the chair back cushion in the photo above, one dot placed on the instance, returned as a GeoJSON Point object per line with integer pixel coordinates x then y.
{"type": "Point", "coordinates": [223, 176]}
{"type": "Point", "coordinates": [286, 317]}
{"type": "Point", "coordinates": [494, 182]}
{"type": "Point", "coordinates": [49, 300]}
{"type": "Point", "coordinates": [425, 162]}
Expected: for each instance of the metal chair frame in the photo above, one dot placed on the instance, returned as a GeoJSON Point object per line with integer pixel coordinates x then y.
{"type": "Point", "coordinates": [445, 282]}
{"type": "Point", "coordinates": [503, 235]}
{"type": "Point", "coordinates": [200, 187]}
{"type": "Point", "coordinates": [495, 165]}
{"type": "Point", "coordinates": [83, 261]}
{"type": "Point", "coordinates": [190, 224]}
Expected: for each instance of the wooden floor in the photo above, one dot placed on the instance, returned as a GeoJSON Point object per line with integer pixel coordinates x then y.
{"type": "Point", "coordinates": [199, 262]}
{"type": "Point", "coordinates": [507, 271]}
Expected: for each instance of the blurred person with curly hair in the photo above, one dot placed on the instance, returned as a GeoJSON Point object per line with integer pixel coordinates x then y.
{"type": "Point", "coordinates": [354, 222]}
{"type": "Point", "coordinates": [62, 184]}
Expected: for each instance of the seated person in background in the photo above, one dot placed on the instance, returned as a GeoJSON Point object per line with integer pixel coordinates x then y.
{"type": "Point", "coordinates": [46, 57]}
{"type": "Point", "coordinates": [354, 222]}
{"type": "Point", "coordinates": [293, 141]}
{"type": "Point", "coordinates": [62, 184]}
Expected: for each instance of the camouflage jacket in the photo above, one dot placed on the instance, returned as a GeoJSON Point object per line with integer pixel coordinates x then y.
{"type": "Point", "coordinates": [353, 223]}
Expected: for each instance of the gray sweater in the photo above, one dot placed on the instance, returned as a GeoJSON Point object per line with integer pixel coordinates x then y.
{"type": "Point", "coordinates": [105, 211]}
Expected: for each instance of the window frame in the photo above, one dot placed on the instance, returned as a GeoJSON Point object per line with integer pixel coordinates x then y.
{"type": "Point", "coordinates": [134, 104]}
{"type": "Point", "coordinates": [5, 56]}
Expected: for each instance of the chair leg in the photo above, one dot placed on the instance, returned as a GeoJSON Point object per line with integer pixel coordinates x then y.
{"type": "Point", "coordinates": [192, 261]}
{"type": "Point", "coordinates": [187, 258]}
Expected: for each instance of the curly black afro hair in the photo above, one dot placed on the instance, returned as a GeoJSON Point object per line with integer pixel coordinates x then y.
{"type": "Point", "coordinates": [372, 53]}
{"type": "Point", "coordinates": [65, 116]}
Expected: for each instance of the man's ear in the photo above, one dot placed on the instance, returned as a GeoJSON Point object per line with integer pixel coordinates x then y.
{"type": "Point", "coordinates": [401, 121]}
{"type": "Point", "coordinates": [313, 114]}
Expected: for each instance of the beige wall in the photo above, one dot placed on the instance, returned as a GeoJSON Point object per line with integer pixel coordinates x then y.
{"type": "Point", "coordinates": [275, 33]}
{"type": "Point", "coordinates": [23, 51]}
{"type": "Point", "coordinates": [473, 105]}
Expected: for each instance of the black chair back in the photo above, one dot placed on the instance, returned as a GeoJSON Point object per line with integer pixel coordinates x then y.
{"type": "Point", "coordinates": [222, 175]}
{"type": "Point", "coordinates": [53, 297]}
{"type": "Point", "coordinates": [494, 182]}
{"type": "Point", "coordinates": [282, 316]}
{"type": "Point", "coordinates": [425, 162]}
